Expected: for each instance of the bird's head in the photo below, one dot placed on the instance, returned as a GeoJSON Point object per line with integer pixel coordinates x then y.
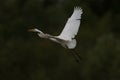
{"type": "Point", "coordinates": [35, 30]}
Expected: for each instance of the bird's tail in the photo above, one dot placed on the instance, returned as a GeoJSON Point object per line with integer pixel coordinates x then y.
{"type": "Point", "coordinates": [71, 44]}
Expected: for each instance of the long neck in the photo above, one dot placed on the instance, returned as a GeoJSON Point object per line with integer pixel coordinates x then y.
{"type": "Point", "coordinates": [55, 40]}
{"type": "Point", "coordinates": [47, 36]}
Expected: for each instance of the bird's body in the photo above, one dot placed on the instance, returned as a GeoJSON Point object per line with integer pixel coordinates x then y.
{"type": "Point", "coordinates": [65, 43]}
{"type": "Point", "coordinates": [67, 36]}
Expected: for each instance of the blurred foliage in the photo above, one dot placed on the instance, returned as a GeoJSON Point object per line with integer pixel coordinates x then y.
{"type": "Point", "coordinates": [24, 56]}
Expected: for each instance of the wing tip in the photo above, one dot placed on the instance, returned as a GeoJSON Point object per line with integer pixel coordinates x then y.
{"type": "Point", "coordinates": [78, 9]}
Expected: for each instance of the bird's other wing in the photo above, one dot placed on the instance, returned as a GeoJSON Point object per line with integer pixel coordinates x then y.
{"type": "Point", "coordinates": [72, 25]}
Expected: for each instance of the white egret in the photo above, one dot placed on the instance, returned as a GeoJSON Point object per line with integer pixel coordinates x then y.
{"type": "Point", "coordinates": [67, 36]}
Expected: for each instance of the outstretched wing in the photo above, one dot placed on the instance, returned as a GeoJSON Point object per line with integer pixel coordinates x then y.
{"type": "Point", "coordinates": [72, 25]}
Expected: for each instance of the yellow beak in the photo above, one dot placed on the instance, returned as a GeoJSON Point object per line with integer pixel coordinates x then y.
{"type": "Point", "coordinates": [31, 30]}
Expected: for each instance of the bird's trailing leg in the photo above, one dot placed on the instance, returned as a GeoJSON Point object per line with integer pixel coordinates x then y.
{"type": "Point", "coordinates": [76, 56]}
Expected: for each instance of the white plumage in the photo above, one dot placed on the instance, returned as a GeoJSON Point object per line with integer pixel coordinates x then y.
{"type": "Point", "coordinates": [72, 25]}
{"type": "Point", "coordinates": [67, 36]}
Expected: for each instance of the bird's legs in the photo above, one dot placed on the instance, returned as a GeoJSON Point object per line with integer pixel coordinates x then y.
{"type": "Point", "coordinates": [76, 56]}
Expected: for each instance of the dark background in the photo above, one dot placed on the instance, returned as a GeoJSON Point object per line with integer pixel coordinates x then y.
{"type": "Point", "coordinates": [24, 56]}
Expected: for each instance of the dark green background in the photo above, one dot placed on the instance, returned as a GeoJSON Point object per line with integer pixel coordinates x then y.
{"type": "Point", "coordinates": [24, 56]}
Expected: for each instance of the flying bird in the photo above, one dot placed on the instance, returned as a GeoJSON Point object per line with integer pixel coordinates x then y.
{"type": "Point", "coordinates": [67, 36]}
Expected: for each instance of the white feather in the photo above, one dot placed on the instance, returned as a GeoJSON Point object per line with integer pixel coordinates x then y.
{"type": "Point", "coordinates": [67, 36]}
{"type": "Point", "coordinates": [72, 26]}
